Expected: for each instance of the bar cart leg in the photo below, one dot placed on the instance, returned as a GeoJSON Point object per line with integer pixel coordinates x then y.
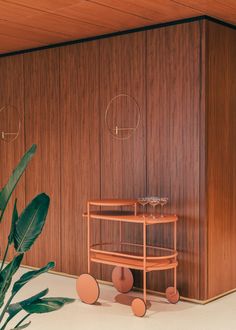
{"type": "Point", "coordinates": [88, 212]}
{"type": "Point", "coordinates": [172, 294]}
{"type": "Point", "coordinates": [139, 306]}
{"type": "Point", "coordinates": [175, 279]}
{"type": "Point", "coordinates": [86, 285]}
{"type": "Point", "coordinates": [175, 248]}
{"type": "Point", "coordinates": [145, 286]}
{"type": "Point", "coordinates": [144, 262]}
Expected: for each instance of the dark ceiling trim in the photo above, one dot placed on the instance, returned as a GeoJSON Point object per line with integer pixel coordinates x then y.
{"type": "Point", "coordinates": [216, 20]}
{"type": "Point", "coordinates": [114, 34]}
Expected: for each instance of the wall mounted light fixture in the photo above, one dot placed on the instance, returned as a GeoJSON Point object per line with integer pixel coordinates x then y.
{"type": "Point", "coordinates": [10, 123]}
{"type": "Point", "coordinates": [122, 116]}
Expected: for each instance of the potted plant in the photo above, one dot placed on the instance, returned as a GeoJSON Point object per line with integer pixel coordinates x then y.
{"type": "Point", "coordinates": [25, 229]}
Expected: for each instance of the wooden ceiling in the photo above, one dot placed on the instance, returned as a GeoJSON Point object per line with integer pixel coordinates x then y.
{"type": "Point", "coordinates": [28, 24]}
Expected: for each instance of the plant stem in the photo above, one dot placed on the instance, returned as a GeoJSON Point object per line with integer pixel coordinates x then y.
{"type": "Point", "coordinates": [2, 291]}
{"type": "Point", "coordinates": [6, 307]}
{"type": "Point", "coordinates": [22, 320]}
{"type": "Point", "coordinates": [5, 255]}
{"type": "Point", "coordinates": [5, 324]}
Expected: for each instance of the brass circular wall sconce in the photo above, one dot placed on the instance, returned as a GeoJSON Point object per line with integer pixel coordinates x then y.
{"type": "Point", "coordinates": [10, 123]}
{"type": "Point", "coordinates": [122, 116]}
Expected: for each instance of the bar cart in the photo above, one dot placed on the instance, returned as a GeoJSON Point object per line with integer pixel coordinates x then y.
{"type": "Point", "coordinates": [125, 256]}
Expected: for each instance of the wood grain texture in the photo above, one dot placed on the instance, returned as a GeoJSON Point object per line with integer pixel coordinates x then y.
{"type": "Point", "coordinates": [74, 29]}
{"type": "Point", "coordinates": [155, 11]}
{"type": "Point", "coordinates": [173, 89]}
{"type": "Point", "coordinates": [42, 126]}
{"type": "Point", "coordinates": [11, 92]}
{"type": "Point", "coordinates": [203, 223]}
{"type": "Point", "coordinates": [12, 29]}
{"type": "Point", "coordinates": [123, 162]}
{"type": "Point", "coordinates": [183, 80]}
{"type": "Point", "coordinates": [15, 43]}
{"type": "Point", "coordinates": [221, 158]}
{"type": "Point", "coordinates": [49, 22]}
{"type": "Point", "coordinates": [80, 146]}
{"type": "Point", "coordinates": [45, 5]}
{"type": "Point", "coordinates": [224, 10]}
{"type": "Point", "coordinates": [106, 16]}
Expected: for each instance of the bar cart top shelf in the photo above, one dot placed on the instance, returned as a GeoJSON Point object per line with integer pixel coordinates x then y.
{"type": "Point", "coordinates": [113, 202]}
{"type": "Point", "coordinates": [126, 216]}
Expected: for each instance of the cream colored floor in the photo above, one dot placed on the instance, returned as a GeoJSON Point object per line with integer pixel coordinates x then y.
{"type": "Point", "coordinates": [109, 315]}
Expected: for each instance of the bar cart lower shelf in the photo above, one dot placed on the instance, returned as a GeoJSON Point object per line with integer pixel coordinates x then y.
{"type": "Point", "coordinates": [126, 256]}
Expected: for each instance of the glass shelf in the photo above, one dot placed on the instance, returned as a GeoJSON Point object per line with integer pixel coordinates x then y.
{"type": "Point", "coordinates": [126, 216]}
{"type": "Point", "coordinates": [131, 255]}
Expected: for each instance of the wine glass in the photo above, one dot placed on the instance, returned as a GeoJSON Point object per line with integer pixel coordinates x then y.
{"type": "Point", "coordinates": [163, 202]}
{"type": "Point", "coordinates": [143, 201]}
{"type": "Point", "coordinates": [154, 201]}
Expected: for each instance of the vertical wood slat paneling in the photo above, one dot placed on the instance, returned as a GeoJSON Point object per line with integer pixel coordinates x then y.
{"type": "Point", "coordinates": [42, 126]}
{"type": "Point", "coordinates": [173, 84]}
{"type": "Point", "coordinates": [11, 92]}
{"type": "Point", "coordinates": [221, 158]}
{"type": "Point", "coordinates": [202, 170]}
{"type": "Point", "coordinates": [65, 93]}
{"type": "Point", "coordinates": [123, 162]}
{"type": "Point", "coordinates": [80, 146]}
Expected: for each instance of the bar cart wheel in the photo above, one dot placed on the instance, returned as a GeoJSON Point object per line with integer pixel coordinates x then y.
{"type": "Point", "coordinates": [139, 307]}
{"type": "Point", "coordinates": [172, 295]}
{"type": "Point", "coordinates": [88, 289]}
{"type": "Point", "coordinates": [122, 279]}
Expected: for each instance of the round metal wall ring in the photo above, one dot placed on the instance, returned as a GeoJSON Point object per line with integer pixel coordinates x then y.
{"type": "Point", "coordinates": [9, 131]}
{"type": "Point", "coordinates": [122, 120]}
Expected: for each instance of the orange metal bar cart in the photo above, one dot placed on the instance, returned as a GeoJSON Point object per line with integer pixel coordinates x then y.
{"type": "Point", "coordinates": [125, 256]}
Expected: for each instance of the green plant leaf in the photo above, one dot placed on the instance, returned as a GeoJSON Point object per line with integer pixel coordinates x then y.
{"type": "Point", "coordinates": [14, 309]}
{"type": "Point", "coordinates": [47, 305]}
{"type": "Point", "coordinates": [13, 223]}
{"type": "Point", "coordinates": [6, 276]}
{"type": "Point", "coordinates": [30, 223]}
{"type": "Point", "coordinates": [31, 275]}
{"type": "Point", "coordinates": [64, 300]}
{"type": "Point", "coordinates": [22, 326]}
{"type": "Point", "coordinates": [7, 190]}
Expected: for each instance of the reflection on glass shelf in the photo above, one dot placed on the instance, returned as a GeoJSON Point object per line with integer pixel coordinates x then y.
{"type": "Point", "coordinates": [133, 250]}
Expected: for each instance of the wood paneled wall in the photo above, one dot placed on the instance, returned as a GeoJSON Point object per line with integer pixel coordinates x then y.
{"type": "Point", "coordinates": [221, 158]}
{"type": "Point", "coordinates": [173, 89]}
{"type": "Point", "coordinates": [11, 92]}
{"type": "Point", "coordinates": [62, 95]}
{"type": "Point", "coordinates": [123, 162]}
{"type": "Point", "coordinates": [80, 151]}
{"type": "Point", "coordinates": [42, 126]}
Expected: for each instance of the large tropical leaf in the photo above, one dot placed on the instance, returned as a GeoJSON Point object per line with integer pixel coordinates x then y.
{"type": "Point", "coordinates": [13, 223]}
{"type": "Point", "coordinates": [47, 305]}
{"type": "Point", "coordinates": [31, 275]}
{"type": "Point", "coordinates": [14, 309]}
{"type": "Point", "coordinates": [7, 190]}
{"type": "Point", "coordinates": [22, 326]}
{"type": "Point", "coordinates": [30, 223]}
{"type": "Point", "coordinates": [6, 276]}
